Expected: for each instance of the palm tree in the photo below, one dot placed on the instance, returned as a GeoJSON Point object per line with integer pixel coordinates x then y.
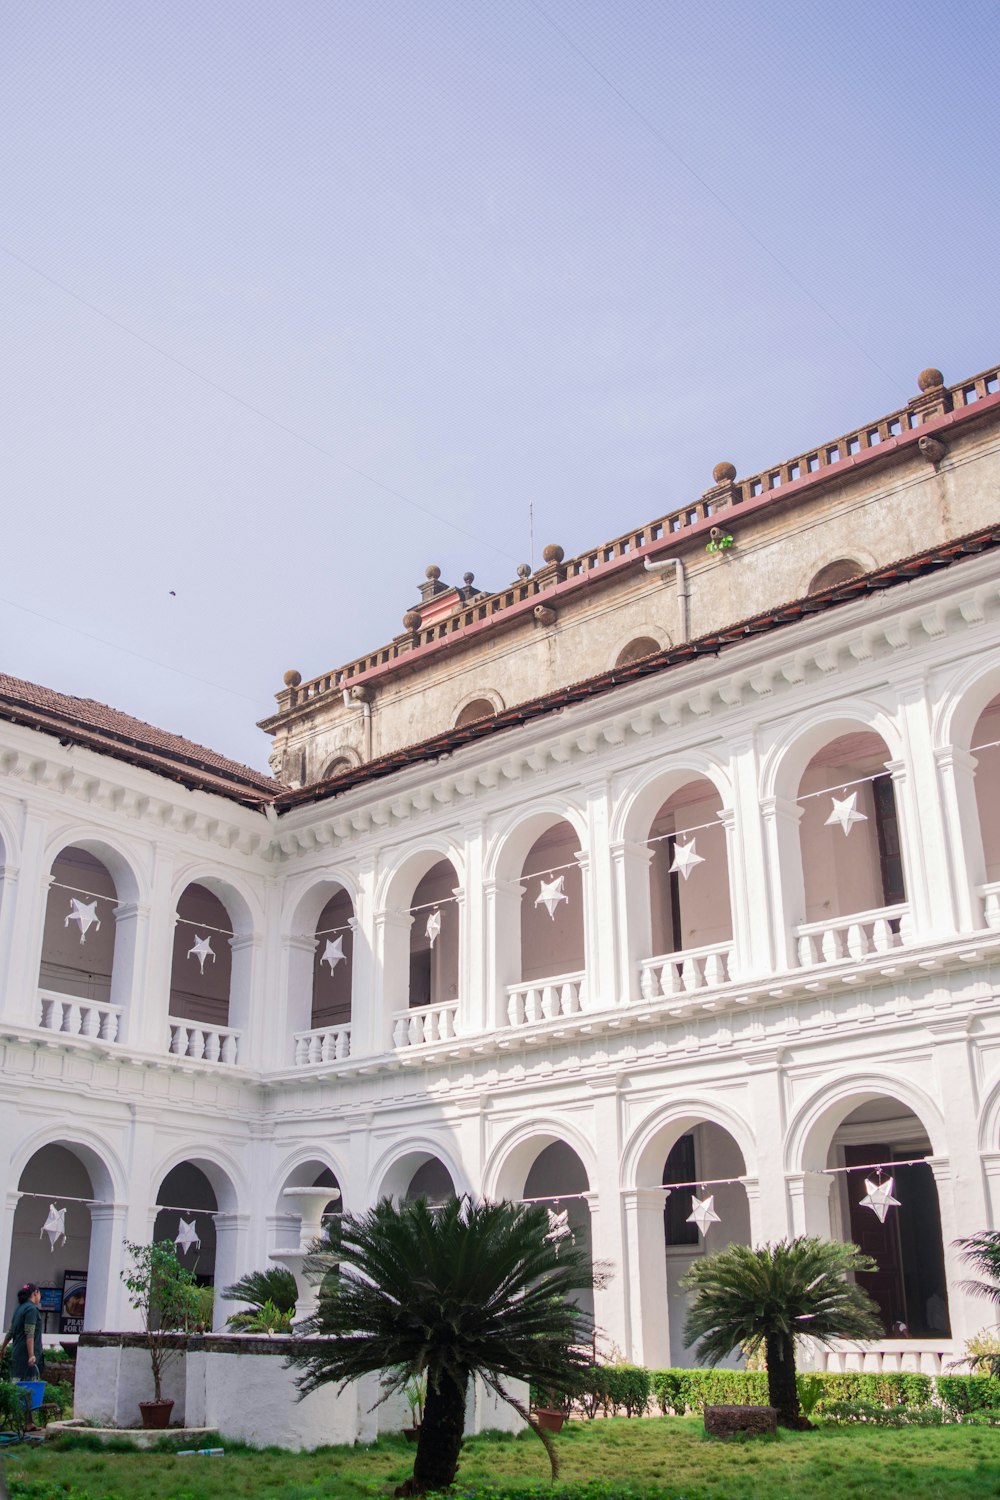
{"type": "Point", "coordinates": [772, 1296]}
{"type": "Point", "coordinates": [982, 1251]}
{"type": "Point", "coordinates": [448, 1293]}
{"type": "Point", "coordinates": [271, 1294]}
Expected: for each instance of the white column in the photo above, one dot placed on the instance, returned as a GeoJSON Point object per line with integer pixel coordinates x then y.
{"type": "Point", "coordinates": [230, 1236]}
{"type": "Point", "coordinates": [392, 973]}
{"type": "Point", "coordinates": [784, 876]}
{"type": "Point", "coordinates": [298, 964]}
{"type": "Point", "coordinates": [633, 916]}
{"type": "Point", "coordinates": [245, 1016]}
{"type": "Point", "coordinates": [809, 1202]}
{"type": "Point", "coordinates": [768, 1198]}
{"type": "Point", "coordinates": [366, 1035]}
{"type": "Point", "coordinates": [925, 846]}
{"type": "Point", "coordinates": [600, 937]}
{"type": "Point", "coordinates": [149, 1004]}
{"type": "Point", "coordinates": [959, 1193]}
{"type": "Point", "coordinates": [131, 941]}
{"type": "Point", "coordinates": [473, 976]}
{"type": "Point", "coordinates": [107, 1299]}
{"type": "Point", "coordinates": [646, 1273]}
{"type": "Point", "coordinates": [963, 835]}
{"type": "Point", "coordinates": [755, 868]}
{"type": "Point", "coordinates": [8, 906]}
{"type": "Point", "coordinates": [27, 924]}
{"type": "Point", "coordinates": [462, 1014]}
{"type": "Point", "coordinates": [503, 946]}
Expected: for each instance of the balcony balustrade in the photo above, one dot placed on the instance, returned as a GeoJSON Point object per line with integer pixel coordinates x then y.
{"type": "Point", "coordinates": [849, 939]}
{"type": "Point", "coordinates": [215, 1044]}
{"type": "Point", "coordinates": [545, 999]}
{"type": "Point", "coordinates": [325, 1044]}
{"type": "Point", "coordinates": [687, 970]}
{"type": "Point", "coordinates": [428, 1023]}
{"type": "Point", "coordinates": [71, 1016]}
{"type": "Point", "coordinates": [991, 904]}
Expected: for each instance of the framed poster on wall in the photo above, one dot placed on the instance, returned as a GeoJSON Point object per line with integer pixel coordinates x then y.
{"type": "Point", "coordinates": [74, 1301]}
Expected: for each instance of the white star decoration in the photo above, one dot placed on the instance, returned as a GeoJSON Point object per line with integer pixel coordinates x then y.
{"type": "Point", "coordinates": [845, 813]}
{"type": "Point", "coordinates": [202, 949]}
{"type": "Point", "coordinates": [333, 953]}
{"type": "Point", "coordinates": [703, 1213]}
{"type": "Point", "coordinates": [558, 1227]}
{"type": "Point", "coordinates": [85, 913]}
{"type": "Point", "coordinates": [187, 1235]}
{"type": "Point", "coordinates": [685, 859]}
{"type": "Point", "coordinates": [550, 893]}
{"type": "Point", "coordinates": [878, 1197]}
{"type": "Point", "coordinates": [433, 926]}
{"type": "Point", "coordinates": [54, 1226]}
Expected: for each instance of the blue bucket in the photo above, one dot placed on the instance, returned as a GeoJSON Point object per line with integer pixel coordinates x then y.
{"type": "Point", "coordinates": [35, 1390]}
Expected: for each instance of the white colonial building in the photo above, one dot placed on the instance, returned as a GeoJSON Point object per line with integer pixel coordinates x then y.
{"type": "Point", "coordinates": [633, 873]}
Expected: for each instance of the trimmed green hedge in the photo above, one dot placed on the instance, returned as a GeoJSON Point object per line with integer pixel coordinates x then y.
{"type": "Point", "coordinates": [693, 1390]}
{"type": "Point", "coordinates": [968, 1393]}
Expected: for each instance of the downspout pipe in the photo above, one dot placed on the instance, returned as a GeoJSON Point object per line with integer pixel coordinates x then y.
{"type": "Point", "coordinates": [683, 594]}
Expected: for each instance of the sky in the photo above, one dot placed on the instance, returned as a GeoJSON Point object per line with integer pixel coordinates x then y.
{"type": "Point", "coordinates": [301, 298]}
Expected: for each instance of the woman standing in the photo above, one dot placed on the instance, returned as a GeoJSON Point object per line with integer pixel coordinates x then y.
{"type": "Point", "coordinates": [25, 1337]}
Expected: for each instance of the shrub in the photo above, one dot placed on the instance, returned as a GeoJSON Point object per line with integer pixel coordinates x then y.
{"type": "Point", "coordinates": [969, 1393]}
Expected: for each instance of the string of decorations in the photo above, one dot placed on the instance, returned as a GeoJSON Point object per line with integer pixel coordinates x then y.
{"type": "Point", "coordinates": [202, 948]}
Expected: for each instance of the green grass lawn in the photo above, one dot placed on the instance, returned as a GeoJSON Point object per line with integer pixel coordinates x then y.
{"type": "Point", "coordinates": [668, 1457]}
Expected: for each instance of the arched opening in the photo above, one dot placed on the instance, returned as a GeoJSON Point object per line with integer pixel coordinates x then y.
{"type": "Point", "coordinates": [432, 1181]}
{"type": "Point", "coordinates": [833, 573]}
{"type": "Point", "coordinates": [986, 748]}
{"type": "Point", "coordinates": [690, 908]}
{"type": "Point", "coordinates": [636, 650]}
{"type": "Point", "coordinates": [56, 1191]}
{"type": "Point", "coordinates": [851, 851]}
{"type": "Point", "coordinates": [210, 974]}
{"type": "Point", "coordinates": [558, 1179]}
{"type": "Point", "coordinates": [552, 929]}
{"type": "Point", "coordinates": [880, 1141]}
{"type": "Point", "coordinates": [434, 937]}
{"type": "Point", "coordinates": [187, 1219]}
{"type": "Point", "coordinates": [479, 708]}
{"type": "Point", "coordinates": [333, 964]}
{"type": "Point", "coordinates": [82, 970]}
{"type": "Point", "coordinates": [337, 767]}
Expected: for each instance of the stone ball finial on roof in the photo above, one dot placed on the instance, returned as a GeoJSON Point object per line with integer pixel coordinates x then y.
{"type": "Point", "coordinates": [413, 620]}
{"type": "Point", "coordinates": [433, 572]}
{"type": "Point", "coordinates": [724, 473]}
{"type": "Point", "coordinates": [468, 579]}
{"type": "Point", "coordinates": [524, 570]}
{"type": "Point", "coordinates": [929, 378]}
{"type": "Point", "coordinates": [292, 678]}
{"type": "Point", "coordinates": [553, 553]}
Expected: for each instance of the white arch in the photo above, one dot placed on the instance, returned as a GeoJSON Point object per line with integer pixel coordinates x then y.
{"type": "Point", "coordinates": [962, 699]}
{"type": "Point", "coordinates": [104, 1167]}
{"type": "Point", "coordinates": [783, 764]}
{"type": "Point", "coordinates": [224, 1173]}
{"type": "Point", "coordinates": [517, 1151]}
{"type": "Point", "coordinates": [812, 1127]}
{"type": "Point", "coordinates": [337, 753]}
{"type": "Point", "coordinates": [304, 1156]}
{"type": "Point", "coordinates": [488, 695]}
{"type": "Point", "coordinates": [649, 1144]}
{"type": "Point", "coordinates": [508, 846]}
{"type": "Point", "coordinates": [238, 897]}
{"type": "Point", "coordinates": [307, 895]}
{"type": "Point", "coordinates": [122, 862]}
{"type": "Point", "coordinates": [10, 844]}
{"type": "Point", "coordinates": [640, 801]}
{"type": "Point", "coordinates": [394, 1170]}
{"type": "Point", "coordinates": [399, 880]}
{"type": "Point", "coordinates": [643, 630]}
{"type": "Point", "coordinates": [989, 1118]}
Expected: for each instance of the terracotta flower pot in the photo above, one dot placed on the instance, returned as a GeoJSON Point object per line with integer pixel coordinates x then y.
{"type": "Point", "coordinates": [549, 1419]}
{"type": "Point", "coordinates": [155, 1413]}
{"type": "Point", "coordinates": [411, 1434]}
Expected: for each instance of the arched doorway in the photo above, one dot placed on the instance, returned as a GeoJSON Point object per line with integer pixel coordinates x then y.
{"type": "Point", "coordinates": [689, 894]}
{"type": "Point", "coordinates": [210, 974]}
{"type": "Point", "coordinates": [558, 1179]}
{"type": "Point", "coordinates": [187, 1219]}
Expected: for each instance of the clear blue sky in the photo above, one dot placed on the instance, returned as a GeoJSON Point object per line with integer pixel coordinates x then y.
{"type": "Point", "coordinates": [565, 252]}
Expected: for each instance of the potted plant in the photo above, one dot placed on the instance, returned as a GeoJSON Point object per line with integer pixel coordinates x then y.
{"type": "Point", "coordinates": [415, 1390]}
{"type": "Point", "coordinates": [166, 1297]}
{"type": "Point", "coordinates": [550, 1408]}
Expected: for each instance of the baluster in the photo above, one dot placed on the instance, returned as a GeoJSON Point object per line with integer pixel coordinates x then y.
{"type": "Point", "coordinates": [91, 1021]}
{"type": "Point", "coordinates": [401, 1032]}
{"type": "Point", "coordinates": [178, 1040]}
{"type": "Point", "coordinates": [71, 1018]}
{"type": "Point", "coordinates": [670, 980]}
{"type": "Point", "coordinates": [550, 1002]}
{"type": "Point", "coordinates": [212, 1046]}
{"type": "Point", "coordinates": [991, 910]}
{"type": "Point", "coordinates": [301, 1051]}
{"type": "Point", "coordinates": [447, 1024]}
{"type": "Point", "coordinates": [882, 935]}
{"type": "Point", "coordinates": [715, 969]}
{"type": "Point", "coordinates": [343, 1043]}
{"type": "Point", "coordinates": [647, 984]}
{"type": "Point", "coordinates": [807, 951]}
{"type": "Point", "coordinates": [690, 976]}
{"type": "Point", "coordinates": [515, 1009]}
{"type": "Point", "coordinates": [52, 1015]}
{"type": "Point", "coordinates": [196, 1043]}
{"type": "Point", "coordinates": [230, 1048]}
{"type": "Point", "coordinates": [109, 1026]}
{"type": "Point", "coordinates": [532, 1006]}
{"type": "Point", "coordinates": [570, 999]}
{"type": "Point", "coordinates": [857, 940]}
{"type": "Point", "coordinates": [832, 946]}
{"type": "Point", "coordinates": [415, 1030]}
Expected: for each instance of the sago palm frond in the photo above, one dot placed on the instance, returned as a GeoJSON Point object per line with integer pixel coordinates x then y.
{"type": "Point", "coordinates": [982, 1251]}
{"type": "Point", "coordinates": [275, 1285]}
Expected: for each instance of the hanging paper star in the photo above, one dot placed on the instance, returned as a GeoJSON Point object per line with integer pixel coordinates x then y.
{"type": "Point", "coordinates": [878, 1197]}
{"type": "Point", "coordinates": [433, 929]}
{"type": "Point", "coordinates": [202, 949]}
{"type": "Point", "coordinates": [85, 913]}
{"type": "Point", "coordinates": [333, 953]}
{"type": "Point", "coordinates": [558, 1226]}
{"type": "Point", "coordinates": [54, 1226]}
{"type": "Point", "coordinates": [187, 1235]}
{"type": "Point", "coordinates": [685, 859]}
{"type": "Point", "coordinates": [550, 893]}
{"type": "Point", "coordinates": [703, 1213]}
{"type": "Point", "coordinates": [845, 813]}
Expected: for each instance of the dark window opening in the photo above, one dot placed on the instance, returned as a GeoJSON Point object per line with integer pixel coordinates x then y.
{"type": "Point", "coordinates": [680, 1167]}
